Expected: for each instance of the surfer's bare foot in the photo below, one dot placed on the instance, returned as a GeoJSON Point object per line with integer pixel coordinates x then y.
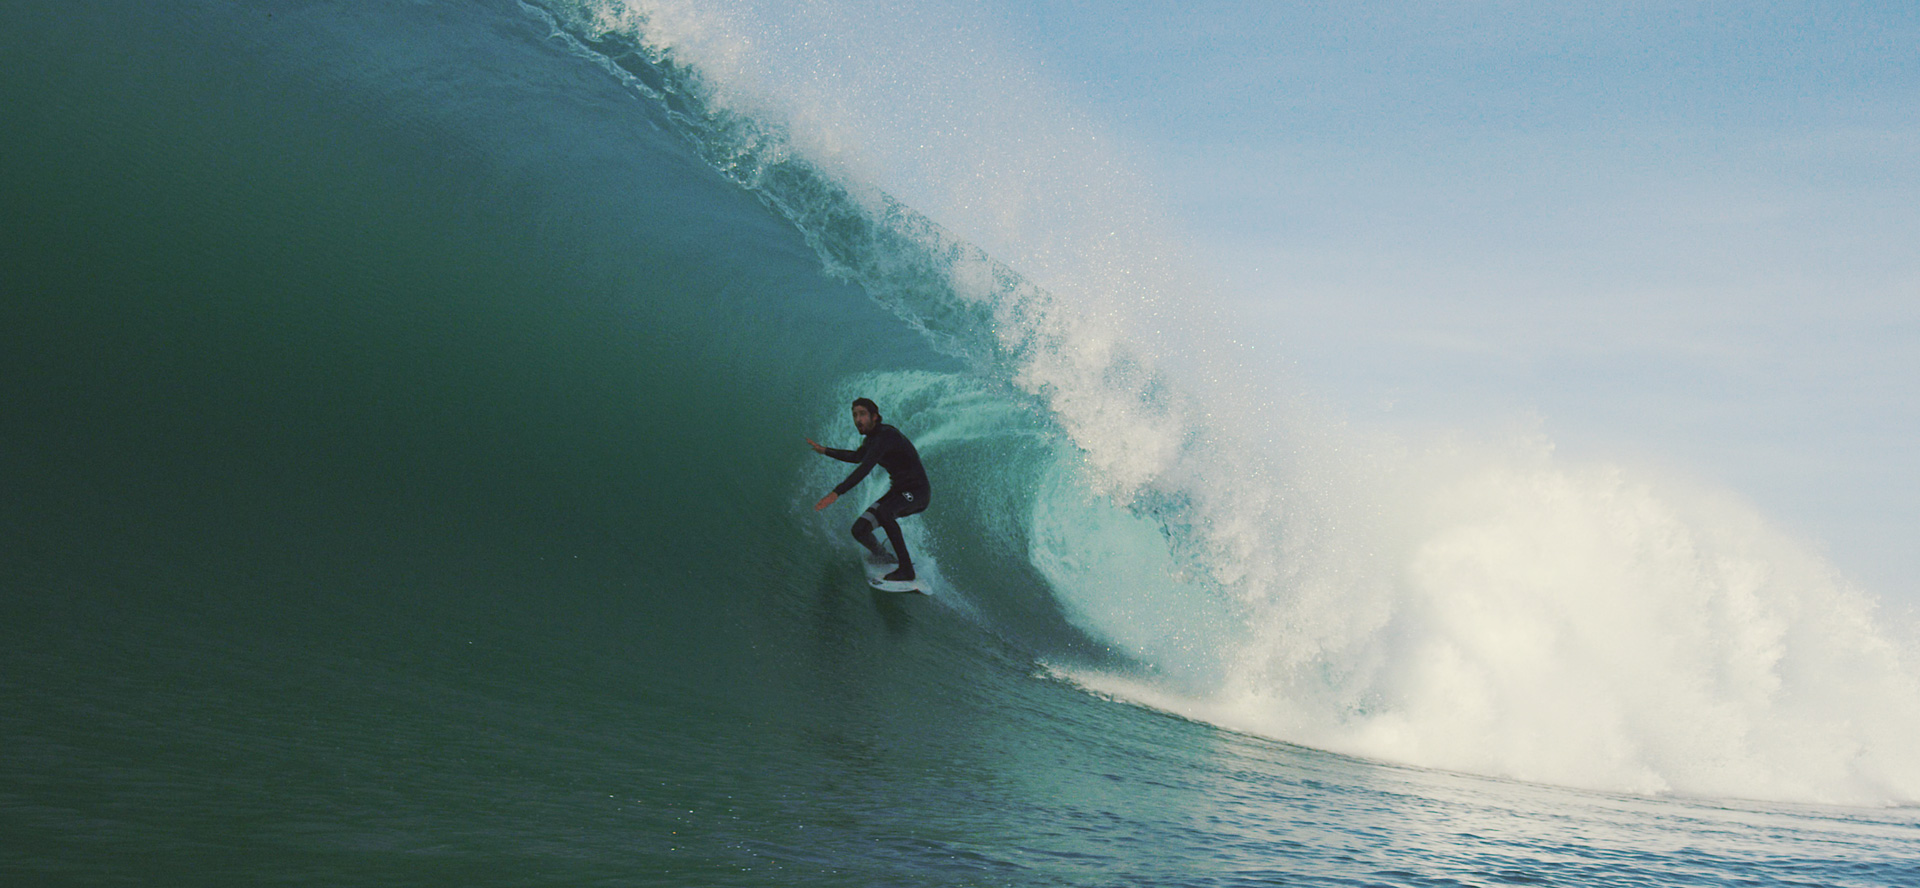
{"type": "Point", "coordinates": [903, 575]}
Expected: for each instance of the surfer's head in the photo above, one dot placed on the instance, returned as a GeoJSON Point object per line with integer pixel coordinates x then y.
{"type": "Point", "coordinates": [866, 415]}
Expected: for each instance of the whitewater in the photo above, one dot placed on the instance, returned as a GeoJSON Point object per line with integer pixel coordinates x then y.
{"type": "Point", "coordinates": [1476, 603]}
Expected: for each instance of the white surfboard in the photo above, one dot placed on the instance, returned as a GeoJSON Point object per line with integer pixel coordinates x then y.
{"type": "Point", "coordinates": [876, 577]}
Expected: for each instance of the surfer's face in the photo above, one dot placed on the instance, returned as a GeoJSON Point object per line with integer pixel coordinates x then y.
{"type": "Point", "coordinates": [863, 420]}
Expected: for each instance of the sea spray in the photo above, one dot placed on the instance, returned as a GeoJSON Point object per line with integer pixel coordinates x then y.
{"type": "Point", "coordinates": [1578, 623]}
{"type": "Point", "coordinates": [1488, 606]}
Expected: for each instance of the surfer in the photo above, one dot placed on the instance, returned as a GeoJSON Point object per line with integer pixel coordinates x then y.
{"type": "Point", "coordinates": [907, 494]}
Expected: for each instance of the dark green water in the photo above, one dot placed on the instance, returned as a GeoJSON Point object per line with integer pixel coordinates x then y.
{"type": "Point", "coordinates": [403, 482]}
{"type": "Point", "coordinates": [362, 444]}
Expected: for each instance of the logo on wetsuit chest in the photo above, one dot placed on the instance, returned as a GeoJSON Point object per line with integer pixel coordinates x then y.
{"type": "Point", "coordinates": [906, 496]}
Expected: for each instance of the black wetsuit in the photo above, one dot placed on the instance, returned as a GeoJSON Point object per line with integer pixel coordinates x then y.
{"type": "Point", "coordinates": [907, 494]}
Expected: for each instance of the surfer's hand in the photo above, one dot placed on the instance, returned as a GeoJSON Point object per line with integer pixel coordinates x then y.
{"type": "Point", "coordinates": [825, 501]}
{"type": "Point", "coordinates": [816, 447]}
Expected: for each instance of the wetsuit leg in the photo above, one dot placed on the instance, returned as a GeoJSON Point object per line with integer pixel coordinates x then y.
{"type": "Point", "coordinates": [885, 512]}
{"type": "Point", "coordinates": [863, 531]}
{"type": "Point", "coordinates": [899, 545]}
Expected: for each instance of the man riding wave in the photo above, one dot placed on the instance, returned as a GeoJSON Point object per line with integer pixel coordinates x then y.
{"type": "Point", "coordinates": [907, 494]}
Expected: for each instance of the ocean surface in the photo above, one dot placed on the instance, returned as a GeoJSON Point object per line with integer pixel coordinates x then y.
{"type": "Point", "coordinates": [403, 479]}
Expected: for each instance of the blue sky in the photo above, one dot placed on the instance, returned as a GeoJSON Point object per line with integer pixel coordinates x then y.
{"type": "Point", "coordinates": [1683, 234]}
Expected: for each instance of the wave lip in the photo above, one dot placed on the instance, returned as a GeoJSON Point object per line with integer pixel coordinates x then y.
{"type": "Point", "coordinates": [1484, 607]}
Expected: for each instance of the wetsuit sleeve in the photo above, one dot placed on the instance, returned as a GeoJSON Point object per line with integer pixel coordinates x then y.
{"type": "Point", "coordinates": [852, 456]}
{"type": "Point", "coordinates": [869, 456]}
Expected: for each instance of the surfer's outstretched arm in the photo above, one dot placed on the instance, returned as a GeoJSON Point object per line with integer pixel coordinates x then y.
{"type": "Point", "coordinates": [843, 456]}
{"type": "Point", "coordinates": [852, 456]}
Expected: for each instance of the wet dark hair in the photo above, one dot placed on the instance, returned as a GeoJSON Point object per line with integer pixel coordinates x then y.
{"type": "Point", "coordinates": [871, 407]}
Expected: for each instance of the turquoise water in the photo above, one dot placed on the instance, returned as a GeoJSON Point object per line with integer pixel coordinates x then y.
{"type": "Point", "coordinates": [404, 479]}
